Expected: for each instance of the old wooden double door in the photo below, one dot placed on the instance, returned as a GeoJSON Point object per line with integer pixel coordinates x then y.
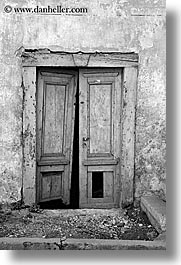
{"type": "Point", "coordinates": [99, 120]}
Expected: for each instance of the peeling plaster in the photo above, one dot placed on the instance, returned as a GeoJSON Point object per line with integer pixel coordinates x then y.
{"type": "Point", "coordinates": [110, 26]}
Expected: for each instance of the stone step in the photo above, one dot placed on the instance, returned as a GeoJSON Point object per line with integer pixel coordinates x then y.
{"type": "Point", "coordinates": [155, 210]}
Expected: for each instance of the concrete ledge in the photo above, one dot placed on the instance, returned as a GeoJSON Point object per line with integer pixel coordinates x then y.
{"type": "Point", "coordinates": [78, 244]}
{"type": "Point", "coordinates": [102, 244]}
{"type": "Point", "coordinates": [155, 209]}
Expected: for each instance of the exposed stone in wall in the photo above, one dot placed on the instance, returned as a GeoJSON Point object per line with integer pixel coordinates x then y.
{"type": "Point", "coordinates": [117, 25]}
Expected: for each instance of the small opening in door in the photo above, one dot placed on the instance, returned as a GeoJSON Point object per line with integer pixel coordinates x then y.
{"type": "Point", "coordinates": [97, 185]}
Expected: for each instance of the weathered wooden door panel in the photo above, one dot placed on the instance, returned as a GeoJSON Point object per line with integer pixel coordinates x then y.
{"type": "Point", "coordinates": [55, 124]}
{"type": "Point", "coordinates": [54, 110]}
{"type": "Point", "coordinates": [99, 108]}
{"type": "Point", "coordinates": [100, 132]}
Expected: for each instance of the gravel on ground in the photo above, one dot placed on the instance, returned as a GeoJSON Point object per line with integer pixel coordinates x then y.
{"type": "Point", "coordinates": [129, 224]}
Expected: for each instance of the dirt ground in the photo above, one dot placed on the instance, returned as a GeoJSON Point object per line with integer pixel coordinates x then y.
{"type": "Point", "coordinates": [79, 223]}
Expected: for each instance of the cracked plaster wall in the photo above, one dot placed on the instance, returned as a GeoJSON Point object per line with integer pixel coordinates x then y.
{"type": "Point", "coordinates": [109, 25]}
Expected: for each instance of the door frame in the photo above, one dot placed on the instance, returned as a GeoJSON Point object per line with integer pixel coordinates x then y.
{"type": "Point", "coordinates": [40, 58]}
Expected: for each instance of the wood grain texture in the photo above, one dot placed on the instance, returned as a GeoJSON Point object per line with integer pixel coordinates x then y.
{"type": "Point", "coordinates": [53, 162]}
{"type": "Point", "coordinates": [100, 107]}
{"type": "Point", "coordinates": [97, 162]}
{"type": "Point", "coordinates": [55, 123]}
{"type": "Point", "coordinates": [102, 168]}
{"type": "Point", "coordinates": [100, 104]}
{"type": "Point", "coordinates": [109, 185]}
{"type": "Point", "coordinates": [100, 110]}
{"type": "Point", "coordinates": [49, 168]}
{"type": "Point", "coordinates": [54, 117]}
{"type": "Point", "coordinates": [51, 185]}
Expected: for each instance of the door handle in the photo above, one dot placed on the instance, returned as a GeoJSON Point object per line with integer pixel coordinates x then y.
{"type": "Point", "coordinates": [85, 139]}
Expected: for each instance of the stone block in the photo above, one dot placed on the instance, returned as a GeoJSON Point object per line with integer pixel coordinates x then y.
{"type": "Point", "coordinates": [155, 209]}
